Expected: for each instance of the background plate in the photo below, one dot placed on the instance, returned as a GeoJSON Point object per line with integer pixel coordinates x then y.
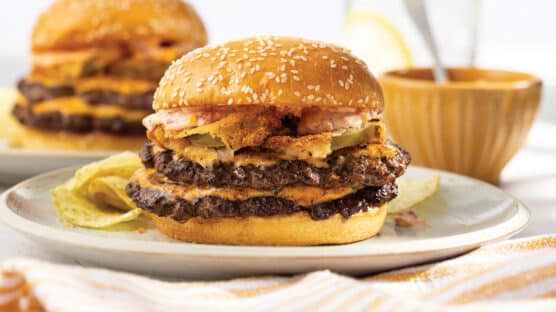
{"type": "Point", "coordinates": [463, 215]}
{"type": "Point", "coordinates": [19, 164]}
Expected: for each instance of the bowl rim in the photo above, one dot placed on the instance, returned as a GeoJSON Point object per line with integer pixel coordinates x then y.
{"type": "Point", "coordinates": [397, 77]}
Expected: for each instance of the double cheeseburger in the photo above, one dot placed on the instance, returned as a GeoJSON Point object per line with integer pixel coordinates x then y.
{"type": "Point", "coordinates": [268, 141]}
{"type": "Point", "coordinates": [95, 66]}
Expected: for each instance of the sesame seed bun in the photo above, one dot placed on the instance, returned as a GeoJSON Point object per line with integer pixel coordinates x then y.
{"type": "Point", "coordinates": [74, 24]}
{"type": "Point", "coordinates": [292, 230]}
{"type": "Point", "coordinates": [276, 71]}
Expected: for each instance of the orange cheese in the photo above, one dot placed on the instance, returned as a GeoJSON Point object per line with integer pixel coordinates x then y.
{"type": "Point", "coordinates": [75, 106]}
{"type": "Point", "coordinates": [118, 84]}
{"type": "Point", "coordinates": [301, 195]}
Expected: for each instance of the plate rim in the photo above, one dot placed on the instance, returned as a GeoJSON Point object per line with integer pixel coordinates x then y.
{"type": "Point", "coordinates": [31, 153]}
{"type": "Point", "coordinates": [517, 223]}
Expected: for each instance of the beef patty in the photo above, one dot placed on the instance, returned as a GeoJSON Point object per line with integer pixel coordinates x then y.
{"type": "Point", "coordinates": [36, 92]}
{"type": "Point", "coordinates": [165, 205]}
{"type": "Point", "coordinates": [345, 169]}
{"type": "Point", "coordinates": [76, 123]}
{"type": "Point", "coordinates": [141, 101]}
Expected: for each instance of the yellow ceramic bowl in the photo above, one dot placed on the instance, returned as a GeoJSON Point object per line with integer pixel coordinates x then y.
{"type": "Point", "coordinates": [472, 125]}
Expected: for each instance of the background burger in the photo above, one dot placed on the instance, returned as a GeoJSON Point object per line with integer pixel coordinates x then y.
{"type": "Point", "coordinates": [95, 66]}
{"type": "Point", "coordinates": [268, 141]}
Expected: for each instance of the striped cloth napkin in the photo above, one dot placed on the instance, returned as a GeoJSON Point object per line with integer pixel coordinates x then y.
{"type": "Point", "coordinates": [510, 276]}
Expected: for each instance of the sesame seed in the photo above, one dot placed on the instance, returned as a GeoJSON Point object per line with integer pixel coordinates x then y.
{"type": "Point", "coordinates": [230, 101]}
{"type": "Point", "coordinates": [341, 83]}
{"type": "Point", "coordinates": [297, 93]}
{"type": "Point", "coordinates": [296, 78]}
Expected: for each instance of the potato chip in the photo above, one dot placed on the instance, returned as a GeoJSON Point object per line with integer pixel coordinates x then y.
{"type": "Point", "coordinates": [96, 197]}
{"type": "Point", "coordinates": [121, 165]}
{"type": "Point", "coordinates": [110, 190]}
{"type": "Point", "coordinates": [412, 192]}
{"type": "Point", "coordinates": [80, 211]}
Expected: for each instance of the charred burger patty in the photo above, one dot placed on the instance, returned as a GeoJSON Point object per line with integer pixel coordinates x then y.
{"type": "Point", "coordinates": [165, 205]}
{"type": "Point", "coordinates": [55, 120]}
{"type": "Point", "coordinates": [36, 93]}
{"type": "Point", "coordinates": [344, 169]}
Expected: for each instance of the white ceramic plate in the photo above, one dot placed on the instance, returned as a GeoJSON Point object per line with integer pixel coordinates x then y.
{"type": "Point", "coordinates": [19, 164]}
{"type": "Point", "coordinates": [463, 215]}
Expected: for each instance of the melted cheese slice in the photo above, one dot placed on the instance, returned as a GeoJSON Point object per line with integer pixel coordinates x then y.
{"type": "Point", "coordinates": [75, 106]}
{"type": "Point", "coordinates": [208, 156]}
{"type": "Point", "coordinates": [118, 84]}
{"type": "Point", "coordinates": [47, 59]}
{"type": "Point", "coordinates": [302, 195]}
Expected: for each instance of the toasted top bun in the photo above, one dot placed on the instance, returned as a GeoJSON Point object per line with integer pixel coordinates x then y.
{"type": "Point", "coordinates": [75, 24]}
{"type": "Point", "coordinates": [276, 71]}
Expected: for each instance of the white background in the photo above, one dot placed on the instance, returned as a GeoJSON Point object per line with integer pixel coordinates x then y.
{"type": "Point", "coordinates": [514, 34]}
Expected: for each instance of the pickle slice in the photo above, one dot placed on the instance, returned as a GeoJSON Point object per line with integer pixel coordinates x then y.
{"type": "Point", "coordinates": [351, 138]}
{"type": "Point", "coordinates": [206, 140]}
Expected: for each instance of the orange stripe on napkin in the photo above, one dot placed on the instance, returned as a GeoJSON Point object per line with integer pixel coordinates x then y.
{"type": "Point", "coordinates": [488, 279]}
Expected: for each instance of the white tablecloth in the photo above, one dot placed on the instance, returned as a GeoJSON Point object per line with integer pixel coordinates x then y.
{"type": "Point", "coordinates": [530, 177]}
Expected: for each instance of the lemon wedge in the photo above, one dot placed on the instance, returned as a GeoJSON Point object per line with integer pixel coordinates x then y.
{"type": "Point", "coordinates": [412, 192]}
{"type": "Point", "coordinates": [377, 41]}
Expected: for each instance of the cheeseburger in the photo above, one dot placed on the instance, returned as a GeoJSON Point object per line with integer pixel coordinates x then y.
{"type": "Point", "coordinates": [268, 141]}
{"type": "Point", "coordinates": [95, 66]}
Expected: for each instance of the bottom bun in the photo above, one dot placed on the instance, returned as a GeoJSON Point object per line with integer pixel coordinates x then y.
{"type": "Point", "coordinates": [60, 140]}
{"type": "Point", "coordinates": [297, 229]}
